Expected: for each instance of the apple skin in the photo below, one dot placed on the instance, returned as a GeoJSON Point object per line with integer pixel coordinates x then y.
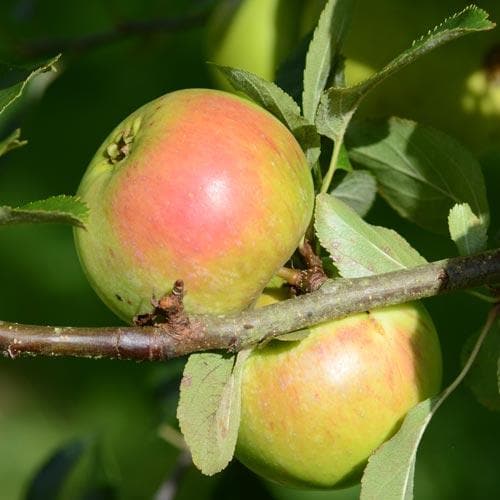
{"type": "Point", "coordinates": [313, 411]}
{"type": "Point", "coordinates": [258, 35]}
{"type": "Point", "coordinates": [254, 35]}
{"type": "Point", "coordinates": [214, 191]}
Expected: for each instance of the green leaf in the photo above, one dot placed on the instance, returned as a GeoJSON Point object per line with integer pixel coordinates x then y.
{"type": "Point", "coordinates": [421, 172]}
{"type": "Point", "coordinates": [343, 162]}
{"type": "Point", "coordinates": [11, 142]}
{"type": "Point", "coordinates": [483, 377]}
{"type": "Point", "coordinates": [49, 480]}
{"type": "Point", "coordinates": [280, 104]}
{"type": "Point", "coordinates": [13, 80]}
{"type": "Point", "coordinates": [338, 104]}
{"type": "Point", "coordinates": [209, 408]}
{"type": "Point", "coordinates": [324, 49]}
{"type": "Point", "coordinates": [467, 230]}
{"type": "Point", "coordinates": [293, 336]}
{"type": "Point", "coordinates": [357, 189]}
{"type": "Point", "coordinates": [390, 472]}
{"type": "Point", "coordinates": [290, 73]}
{"type": "Point", "coordinates": [358, 248]}
{"type": "Point", "coordinates": [57, 209]}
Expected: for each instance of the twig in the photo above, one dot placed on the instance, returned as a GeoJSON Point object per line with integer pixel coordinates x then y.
{"type": "Point", "coordinates": [335, 299]}
{"type": "Point", "coordinates": [121, 31]}
{"type": "Point", "coordinates": [305, 280]}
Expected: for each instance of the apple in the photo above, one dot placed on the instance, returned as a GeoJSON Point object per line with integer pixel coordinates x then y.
{"type": "Point", "coordinates": [258, 35]}
{"type": "Point", "coordinates": [198, 185]}
{"type": "Point", "coordinates": [314, 410]}
{"type": "Point", "coordinates": [254, 35]}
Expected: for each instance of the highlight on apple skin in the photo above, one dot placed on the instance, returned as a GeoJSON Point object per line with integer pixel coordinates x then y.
{"type": "Point", "coordinates": [313, 411]}
{"type": "Point", "coordinates": [198, 185]}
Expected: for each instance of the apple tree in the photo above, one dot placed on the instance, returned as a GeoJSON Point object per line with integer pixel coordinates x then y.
{"type": "Point", "coordinates": [306, 262]}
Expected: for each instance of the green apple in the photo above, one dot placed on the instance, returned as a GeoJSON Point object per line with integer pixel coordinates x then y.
{"type": "Point", "coordinates": [198, 185]}
{"type": "Point", "coordinates": [254, 35]}
{"type": "Point", "coordinates": [258, 35]}
{"type": "Point", "coordinates": [314, 410]}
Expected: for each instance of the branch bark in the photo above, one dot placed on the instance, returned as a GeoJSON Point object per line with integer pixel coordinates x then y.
{"type": "Point", "coordinates": [335, 299]}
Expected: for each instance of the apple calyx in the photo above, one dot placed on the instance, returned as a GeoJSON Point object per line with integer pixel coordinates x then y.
{"type": "Point", "coordinates": [121, 146]}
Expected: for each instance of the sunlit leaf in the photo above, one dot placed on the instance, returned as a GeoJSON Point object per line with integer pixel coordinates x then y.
{"type": "Point", "coordinates": [13, 80]}
{"type": "Point", "coordinates": [338, 104]}
{"type": "Point", "coordinates": [324, 49]}
{"type": "Point", "coordinates": [209, 408]}
{"type": "Point", "coordinates": [356, 247]}
{"type": "Point", "coordinates": [57, 209]}
{"type": "Point", "coordinates": [467, 230]}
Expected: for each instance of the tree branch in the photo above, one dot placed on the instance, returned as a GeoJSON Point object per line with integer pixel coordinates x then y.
{"type": "Point", "coordinates": [119, 32]}
{"type": "Point", "coordinates": [335, 299]}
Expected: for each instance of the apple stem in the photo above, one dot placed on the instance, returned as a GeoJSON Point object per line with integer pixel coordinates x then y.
{"type": "Point", "coordinates": [305, 280]}
{"type": "Point", "coordinates": [291, 276]}
{"type": "Point", "coordinates": [310, 257]}
{"type": "Point", "coordinates": [333, 164]}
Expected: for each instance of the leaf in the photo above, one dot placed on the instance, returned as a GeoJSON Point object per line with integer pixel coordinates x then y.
{"type": "Point", "coordinates": [11, 142]}
{"type": "Point", "coordinates": [293, 336]}
{"type": "Point", "coordinates": [280, 104]}
{"type": "Point", "coordinates": [209, 408]}
{"type": "Point", "coordinates": [338, 104]}
{"type": "Point", "coordinates": [357, 189]}
{"type": "Point", "coordinates": [390, 471]}
{"type": "Point", "coordinates": [482, 378]}
{"type": "Point", "coordinates": [358, 248]}
{"type": "Point", "coordinates": [50, 479]}
{"type": "Point", "coordinates": [57, 209]}
{"type": "Point", "coordinates": [389, 474]}
{"type": "Point", "coordinates": [467, 230]}
{"type": "Point", "coordinates": [421, 172]}
{"type": "Point", "coordinates": [289, 75]}
{"type": "Point", "coordinates": [324, 48]}
{"type": "Point", "coordinates": [13, 80]}
{"type": "Point", "coordinates": [343, 162]}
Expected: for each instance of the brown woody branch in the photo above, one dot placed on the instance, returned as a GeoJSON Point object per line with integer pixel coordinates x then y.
{"type": "Point", "coordinates": [335, 299]}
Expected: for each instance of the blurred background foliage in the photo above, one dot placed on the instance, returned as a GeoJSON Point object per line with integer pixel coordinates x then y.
{"type": "Point", "coordinates": [104, 416]}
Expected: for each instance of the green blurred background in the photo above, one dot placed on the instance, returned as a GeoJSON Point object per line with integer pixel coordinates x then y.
{"type": "Point", "coordinates": [113, 409]}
